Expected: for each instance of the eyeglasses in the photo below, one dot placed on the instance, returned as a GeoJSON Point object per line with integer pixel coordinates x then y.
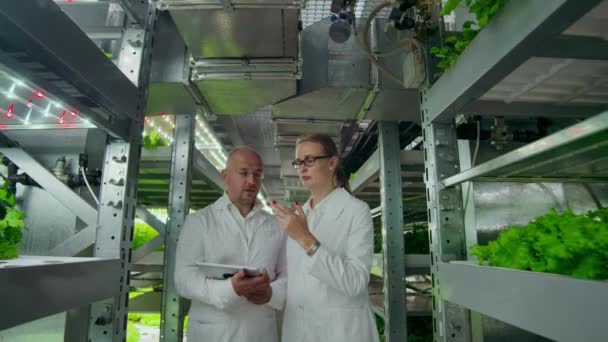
{"type": "Point", "coordinates": [257, 176]}
{"type": "Point", "coordinates": [308, 161]}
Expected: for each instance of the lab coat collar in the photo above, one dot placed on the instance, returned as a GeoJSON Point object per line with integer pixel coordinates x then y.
{"type": "Point", "coordinates": [224, 203]}
{"type": "Point", "coordinates": [332, 205]}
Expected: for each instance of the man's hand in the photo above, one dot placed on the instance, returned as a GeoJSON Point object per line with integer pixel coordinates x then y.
{"type": "Point", "coordinates": [262, 293]}
{"type": "Point", "coordinates": [257, 289]}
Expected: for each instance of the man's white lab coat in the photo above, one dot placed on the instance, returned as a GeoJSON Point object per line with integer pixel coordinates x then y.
{"type": "Point", "coordinates": [213, 235]}
{"type": "Point", "coordinates": [327, 296]}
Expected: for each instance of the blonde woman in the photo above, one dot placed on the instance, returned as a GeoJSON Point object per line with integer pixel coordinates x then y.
{"type": "Point", "coordinates": [329, 252]}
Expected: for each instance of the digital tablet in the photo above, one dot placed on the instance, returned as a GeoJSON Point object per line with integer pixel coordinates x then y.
{"type": "Point", "coordinates": [220, 271]}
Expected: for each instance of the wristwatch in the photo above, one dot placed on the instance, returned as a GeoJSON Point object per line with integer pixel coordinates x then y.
{"type": "Point", "coordinates": [313, 249]}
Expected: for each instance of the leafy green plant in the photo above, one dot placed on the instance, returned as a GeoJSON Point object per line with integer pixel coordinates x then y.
{"type": "Point", "coordinates": [132, 333]}
{"type": "Point", "coordinates": [456, 43]}
{"type": "Point", "coordinates": [568, 244]}
{"type": "Point", "coordinates": [143, 234]}
{"type": "Point", "coordinates": [11, 224]}
{"type": "Point", "coordinates": [154, 140]}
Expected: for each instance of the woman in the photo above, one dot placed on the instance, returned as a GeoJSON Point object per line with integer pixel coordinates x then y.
{"type": "Point", "coordinates": [329, 252]}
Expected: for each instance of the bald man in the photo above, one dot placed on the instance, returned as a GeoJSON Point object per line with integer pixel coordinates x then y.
{"type": "Point", "coordinates": [234, 230]}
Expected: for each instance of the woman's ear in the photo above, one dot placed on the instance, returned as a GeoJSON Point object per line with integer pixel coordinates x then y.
{"type": "Point", "coordinates": [333, 163]}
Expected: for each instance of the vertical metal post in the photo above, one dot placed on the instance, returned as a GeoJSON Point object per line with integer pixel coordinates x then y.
{"type": "Point", "coordinates": [392, 233]}
{"type": "Point", "coordinates": [115, 235]}
{"type": "Point", "coordinates": [171, 328]}
{"type": "Point", "coordinates": [446, 221]}
{"type": "Point", "coordinates": [470, 226]}
{"type": "Point", "coordinates": [118, 201]}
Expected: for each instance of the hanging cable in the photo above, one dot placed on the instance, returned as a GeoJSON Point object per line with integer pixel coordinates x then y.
{"type": "Point", "coordinates": [362, 41]}
{"type": "Point", "coordinates": [466, 197]}
{"type": "Point", "coordinates": [84, 176]}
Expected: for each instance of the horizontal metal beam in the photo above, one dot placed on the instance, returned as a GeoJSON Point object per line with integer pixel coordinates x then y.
{"type": "Point", "coordinates": [202, 168]}
{"type": "Point", "coordinates": [146, 216]}
{"type": "Point", "coordinates": [149, 247]}
{"type": "Point", "coordinates": [34, 127]}
{"type": "Point", "coordinates": [104, 32]}
{"type": "Point", "coordinates": [227, 4]}
{"type": "Point", "coordinates": [589, 137]}
{"type": "Point", "coordinates": [367, 173]}
{"type": "Point", "coordinates": [148, 302]}
{"type": "Point", "coordinates": [531, 109]}
{"type": "Point", "coordinates": [553, 306]}
{"type": "Point", "coordinates": [521, 28]}
{"type": "Point", "coordinates": [574, 47]}
{"type": "Point", "coordinates": [76, 243]}
{"type": "Point", "coordinates": [34, 287]}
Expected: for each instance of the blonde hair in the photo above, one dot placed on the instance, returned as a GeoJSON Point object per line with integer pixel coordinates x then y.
{"type": "Point", "coordinates": [331, 150]}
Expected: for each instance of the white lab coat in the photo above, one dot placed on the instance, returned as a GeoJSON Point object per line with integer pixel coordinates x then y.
{"type": "Point", "coordinates": [217, 313]}
{"type": "Point", "coordinates": [327, 294]}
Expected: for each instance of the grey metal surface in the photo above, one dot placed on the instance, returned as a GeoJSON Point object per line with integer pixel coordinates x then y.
{"type": "Point", "coordinates": [477, 71]}
{"type": "Point", "coordinates": [575, 47]}
{"type": "Point", "coordinates": [392, 232]}
{"type": "Point", "coordinates": [60, 284]}
{"type": "Point", "coordinates": [181, 176]}
{"type": "Point", "coordinates": [148, 302]}
{"type": "Point", "coordinates": [143, 214]}
{"type": "Point", "coordinates": [51, 328]}
{"type": "Point", "coordinates": [470, 227]}
{"type": "Point", "coordinates": [579, 152]}
{"type": "Point", "coordinates": [556, 81]}
{"type": "Point", "coordinates": [169, 86]}
{"type": "Point", "coordinates": [228, 5]}
{"type": "Point", "coordinates": [557, 307]}
{"type": "Point", "coordinates": [367, 173]}
{"type": "Point", "coordinates": [136, 10]}
{"type": "Point", "coordinates": [417, 305]}
{"type": "Point", "coordinates": [47, 59]}
{"type": "Point", "coordinates": [118, 202]}
{"type": "Point", "coordinates": [446, 224]}
{"type": "Point", "coordinates": [247, 69]}
{"type": "Point", "coordinates": [114, 237]}
{"type": "Point", "coordinates": [224, 34]}
{"type": "Point", "coordinates": [340, 83]}
{"type": "Point", "coordinates": [203, 169]}
{"type": "Point", "coordinates": [243, 96]}
{"type": "Point", "coordinates": [131, 53]}
{"type": "Point", "coordinates": [335, 78]}
{"type": "Point", "coordinates": [329, 103]}
{"type": "Point", "coordinates": [54, 186]}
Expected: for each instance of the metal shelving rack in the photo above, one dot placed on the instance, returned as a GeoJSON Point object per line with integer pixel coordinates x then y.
{"type": "Point", "coordinates": [531, 33]}
{"type": "Point", "coordinates": [112, 97]}
{"type": "Point", "coordinates": [391, 182]}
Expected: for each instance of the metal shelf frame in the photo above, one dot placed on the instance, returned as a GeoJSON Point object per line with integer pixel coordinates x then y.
{"type": "Point", "coordinates": [485, 63]}
{"type": "Point", "coordinates": [573, 153]}
{"type": "Point", "coordinates": [544, 304]}
{"type": "Point", "coordinates": [42, 51]}
{"type": "Point", "coordinates": [37, 286]}
{"type": "Point", "coordinates": [95, 290]}
{"type": "Point", "coordinates": [577, 307]}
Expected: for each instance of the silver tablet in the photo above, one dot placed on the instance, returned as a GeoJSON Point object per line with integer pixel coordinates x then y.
{"type": "Point", "coordinates": [220, 271]}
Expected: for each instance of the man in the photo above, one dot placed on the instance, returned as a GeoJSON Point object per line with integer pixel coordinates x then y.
{"type": "Point", "coordinates": [233, 230]}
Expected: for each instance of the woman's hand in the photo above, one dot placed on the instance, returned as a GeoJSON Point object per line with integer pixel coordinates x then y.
{"type": "Point", "coordinates": [293, 222]}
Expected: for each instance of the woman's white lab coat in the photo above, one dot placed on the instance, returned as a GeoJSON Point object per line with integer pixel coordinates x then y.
{"type": "Point", "coordinates": [217, 313]}
{"type": "Point", "coordinates": [327, 296]}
